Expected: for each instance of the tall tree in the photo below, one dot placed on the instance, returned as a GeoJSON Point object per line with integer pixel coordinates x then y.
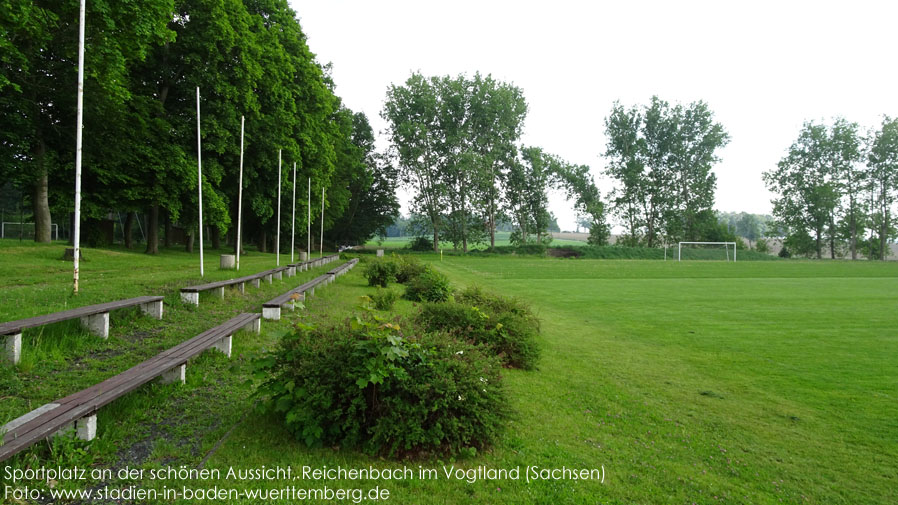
{"type": "Point", "coordinates": [661, 158]}
{"type": "Point", "coordinates": [848, 172]}
{"type": "Point", "coordinates": [807, 193]}
{"type": "Point", "coordinates": [882, 161]}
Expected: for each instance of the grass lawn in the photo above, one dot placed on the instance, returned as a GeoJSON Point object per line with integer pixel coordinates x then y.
{"type": "Point", "coordinates": [692, 382]}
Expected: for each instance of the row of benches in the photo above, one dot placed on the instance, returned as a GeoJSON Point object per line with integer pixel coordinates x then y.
{"type": "Point", "coordinates": [96, 317]}
{"type": "Point", "coordinates": [77, 412]}
{"type": "Point", "coordinates": [191, 294]}
{"type": "Point", "coordinates": [272, 308]}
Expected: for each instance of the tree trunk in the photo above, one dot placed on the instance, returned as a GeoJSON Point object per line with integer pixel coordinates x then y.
{"type": "Point", "coordinates": [167, 242]}
{"type": "Point", "coordinates": [263, 241]}
{"type": "Point", "coordinates": [216, 238]}
{"type": "Point", "coordinates": [882, 234]}
{"type": "Point", "coordinates": [128, 228]}
{"type": "Point", "coordinates": [189, 245]}
{"type": "Point", "coordinates": [436, 239]}
{"type": "Point", "coordinates": [853, 237]}
{"type": "Point", "coordinates": [39, 200]}
{"type": "Point", "coordinates": [153, 230]}
{"type": "Point", "coordinates": [819, 246]}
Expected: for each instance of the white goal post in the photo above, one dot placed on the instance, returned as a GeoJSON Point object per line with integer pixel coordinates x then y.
{"type": "Point", "coordinates": [725, 244]}
{"type": "Point", "coordinates": [8, 227]}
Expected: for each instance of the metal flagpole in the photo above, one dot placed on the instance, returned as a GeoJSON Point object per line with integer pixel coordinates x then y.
{"type": "Point", "coordinates": [277, 240]}
{"type": "Point", "coordinates": [321, 243]}
{"type": "Point", "coordinates": [79, 121]}
{"type": "Point", "coordinates": [199, 177]}
{"type": "Point", "coordinates": [309, 225]}
{"type": "Point", "coordinates": [293, 221]}
{"type": "Point", "coordinates": [240, 194]}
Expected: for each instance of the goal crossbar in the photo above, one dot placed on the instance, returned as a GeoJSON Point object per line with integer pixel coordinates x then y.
{"type": "Point", "coordinates": [726, 244]}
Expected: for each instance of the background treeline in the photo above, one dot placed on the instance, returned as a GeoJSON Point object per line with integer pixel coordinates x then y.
{"type": "Point", "coordinates": [836, 190]}
{"type": "Point", "coordinates": [144, 61]}
{"type": "Point", "coordinates": [456, 144]}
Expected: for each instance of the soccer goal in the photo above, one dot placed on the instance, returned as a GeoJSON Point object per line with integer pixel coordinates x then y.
{"type": "Point", "coordinates": [24, 230]}
{"type": "Point", "coordinates": [726, 246]}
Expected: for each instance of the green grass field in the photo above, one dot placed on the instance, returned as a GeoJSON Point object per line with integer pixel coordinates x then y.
{"type": "Point", "coordinates": [693, 382]}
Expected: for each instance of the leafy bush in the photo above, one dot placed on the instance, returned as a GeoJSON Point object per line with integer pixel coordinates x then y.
{"type": "Point", "coordinates": [365, 384]}
{"type": "Point", "coordinates": [421, 244]}
{"type": "Point", "coordinates": [784, 252]}
{"type": "Point", "coordinates": [384, 298]}
{"type": "Point", "coordinates": [429, 286]}
{"type": "Point", "coordinates": [511, 335]}
{"type": "Point", "coordinates": [476, 297]}
{"type": "Point", "coordinates": [381, 271]}
{"type": "Point", "coordinates": [762, 246]}
{"type": "Point", "coordinates": [409, 268]}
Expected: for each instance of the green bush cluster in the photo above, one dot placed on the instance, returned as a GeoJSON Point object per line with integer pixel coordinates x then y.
{"type": "Point", "coordinates": [429, 286]}
{"type": "Point", "coordinates": [504, 325]}
{"type": "Point", "coordinates": [366, 384]}
{"type": "Point", "coordinates": [384, 298]}
{"type": "Point", "coordinates": [408, 268]}
{"type": "Point", "coordinates": [381, 271]}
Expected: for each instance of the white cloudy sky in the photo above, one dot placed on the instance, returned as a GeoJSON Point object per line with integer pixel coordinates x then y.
{"type": "Point", "coordinates": [763, 67]}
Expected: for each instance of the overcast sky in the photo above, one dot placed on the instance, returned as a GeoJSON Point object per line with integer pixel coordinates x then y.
{"type": "Point", "coordinates": [763, 67]}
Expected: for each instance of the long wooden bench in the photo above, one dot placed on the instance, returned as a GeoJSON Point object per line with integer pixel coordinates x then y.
{"type": "Point", "coordinates": [272, 308]}
{"type": "Point", "coordinates": [94, 317]}
{"type": "Point", "coordinates": [191, 294]}
{"type": "Point", "coordinates": [78, 411]}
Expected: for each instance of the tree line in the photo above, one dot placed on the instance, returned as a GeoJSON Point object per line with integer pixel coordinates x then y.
{"type": "Point", "coordinates": [836, 189]}
{"type": "Point", "coordinates": [144, 62]}
{"type": "Point", "coordinates": [456, 144]}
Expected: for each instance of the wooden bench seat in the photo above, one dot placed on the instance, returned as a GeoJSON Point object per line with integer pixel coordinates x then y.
{"type": "Point", "coordinates": [94, 317]}
{"type": "Point", "coordinates": [78, 411]}
{"type": "Point", "coordinates": [272, 308]}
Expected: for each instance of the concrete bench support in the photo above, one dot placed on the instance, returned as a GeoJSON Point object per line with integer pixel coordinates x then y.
{"type": "Point", "coordinates": [254, 326]}
{"type": "Point", "coordinates": [224, 345]}
{"type": "Point", "coordinates": [268, 278]}
{"type": "Point", "coordinates": [277, 275]}
{"type": "Point", "coordinates": [220, 292]}
{"type": "Point", "coordinates": [98, 324]}
{"type": "Point", "coordinates": [193, 298]}
{"type": "Point", "coordinates": [153, 309]}
{"type": "Point", "coordinates": [273, 313]}
{"type": "Point", "coordinates": [242, 287]}
{"type": "Point", "coordinates": [291, 271]}
{"type": "Point", "coordinates": [12, 348]}
{"type": "Point", "coordinates": [84, 428]}
{"type": "Point", "coordinates": [176, 374]}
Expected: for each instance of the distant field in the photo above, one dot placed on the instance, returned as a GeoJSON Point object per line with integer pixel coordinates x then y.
{"type": "Point", "coordinates": [693, 382]}
{"type": "Point", "coordinates": [501, 239]}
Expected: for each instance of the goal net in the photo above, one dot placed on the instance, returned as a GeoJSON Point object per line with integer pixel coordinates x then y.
{"type": "Point", "coordinates": [24, 230]}
{"type": "Point", "coordinates": [719, 251]}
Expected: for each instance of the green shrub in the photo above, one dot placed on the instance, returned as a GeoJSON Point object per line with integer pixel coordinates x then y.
{"type": "Point", "coordinates": [409, 268]}
{"type": "Point", "coordinates": [476, 297]}
{"type": "Point", "coordinates": [421, 244]}
{"type": "Point", "coordinates": [429, 286]}
{"type": "Point", "coordinates": [510, 336]}
{"type": "Point", "coordinates": [381, 271]}
{"type": "Point", "coordinates": [364, 384]}
{"type": "Point", "coordinates": [384, 298]}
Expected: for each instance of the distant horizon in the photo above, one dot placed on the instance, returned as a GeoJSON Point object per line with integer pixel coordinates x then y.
{"type": "Point", "coordinates": [764, 70]}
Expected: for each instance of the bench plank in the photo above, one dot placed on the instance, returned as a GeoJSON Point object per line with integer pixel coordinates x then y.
{"type": "Point", "coordinates": [36, 426]}
{"type": "Point", "coordinates": [12, 327]}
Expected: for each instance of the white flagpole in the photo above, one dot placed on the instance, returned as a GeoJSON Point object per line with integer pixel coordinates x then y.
{"type": "Point", "coordinates": [240, 194]}
{"type": "Point", "coordinates": [293, 221]}
{"type": "Point", "coordinates": [277, 239]}
{"type": "Point", "coordinates": [199, 177]}
{"type": "Point", "coordinates": [321, 243]}
{"type": "Point", "coordinates": [80, 119]}
{"type": "Point", "coordinates": [309, 225]}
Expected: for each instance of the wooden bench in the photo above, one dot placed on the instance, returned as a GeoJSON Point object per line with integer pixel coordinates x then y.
{"type": "Point", "coordinates": [78, 411]}
{"type": "Point", "coordinates": [94, 317]}
{"type": "Point", "coordinates": [191, 294]}
{"type": "Point", "coordinates": [272, 308]}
